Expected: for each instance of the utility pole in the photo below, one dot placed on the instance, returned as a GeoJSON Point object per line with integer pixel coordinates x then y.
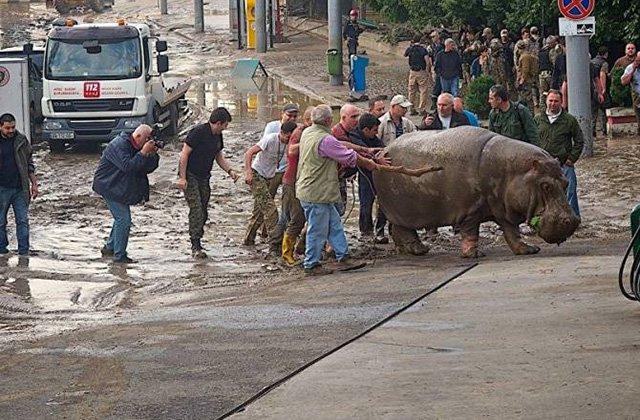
{"type": "Point", "coordinates": [163, 7]}
{"type": "Point", "coordinates": [261, 26]}
{"type": "Point", "coordinates": [578, 83]}
{"type": "Point", "coordinates": [199, 13]}
{"type": "Point", "coordinates": [335, 35]}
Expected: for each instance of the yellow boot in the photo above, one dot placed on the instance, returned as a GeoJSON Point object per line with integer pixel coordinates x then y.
{"type": "Point", "coordinates": [288, 244]}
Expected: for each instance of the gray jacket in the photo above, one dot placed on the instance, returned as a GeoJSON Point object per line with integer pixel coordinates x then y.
{"type": "Point", "coordinates": [387, 130]}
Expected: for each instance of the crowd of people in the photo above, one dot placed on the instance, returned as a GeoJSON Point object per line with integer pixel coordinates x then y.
{"type": "Point", "coordinates": [528, 67]}
{"type": "Point", "coordinates": [313, 158]}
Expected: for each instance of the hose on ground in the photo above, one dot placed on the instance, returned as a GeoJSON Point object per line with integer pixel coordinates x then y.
{"type": "Point", "coordinates": [634, 275]}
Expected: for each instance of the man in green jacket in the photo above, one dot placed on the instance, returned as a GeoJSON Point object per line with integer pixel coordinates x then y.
{"type": "Point", "coordinates": [561, 136]}
{"type": "Point", "coordinates": [509, 118]}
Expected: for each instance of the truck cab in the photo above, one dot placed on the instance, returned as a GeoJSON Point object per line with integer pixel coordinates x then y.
{"type": "Point", "coordinates": [34, 54]}
{"type": "Point", "coordinates": [99, 80]}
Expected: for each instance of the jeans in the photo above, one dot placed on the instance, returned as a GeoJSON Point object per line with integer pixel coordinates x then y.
{"type": "Point", "coordinates": [449, 85]}
{"type": "Point", "coordinates": [366, 194]}
{"type": "Point", "coordinates": [323, 225]}
{"type": "Point", "coordinates": [15, 198]}
{"type": "Point", "coordinates": [572, 194]}
{"type": "Point", "coordinates": [119, 236]}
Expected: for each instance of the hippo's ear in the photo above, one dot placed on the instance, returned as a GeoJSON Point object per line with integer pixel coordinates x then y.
{"type": "Point", "coordinates": [535, 165]}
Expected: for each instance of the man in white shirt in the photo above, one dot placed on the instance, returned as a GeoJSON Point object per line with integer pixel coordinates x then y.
{"type": "Point", "coordinates": [258, 175]}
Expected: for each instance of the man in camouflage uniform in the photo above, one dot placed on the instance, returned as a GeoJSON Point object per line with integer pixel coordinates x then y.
{"type": "Point", "coordinates": [546, 62]}
{"type": "Point", "coordinates": [258, 174]}
{"type": "Point", "coordinates": [526, 73]}
{"type": "Point", "coordinates": [497, 68]}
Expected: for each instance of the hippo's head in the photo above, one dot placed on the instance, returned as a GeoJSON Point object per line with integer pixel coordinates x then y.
{"type": "Point", "coordinates": [554, 220]}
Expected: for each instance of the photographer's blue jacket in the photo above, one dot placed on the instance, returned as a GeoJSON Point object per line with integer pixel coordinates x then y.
{"type": "Point", "coordinates": [121, 175]}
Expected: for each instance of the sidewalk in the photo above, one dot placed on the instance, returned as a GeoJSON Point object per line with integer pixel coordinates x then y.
{"type": "Point", "coordinates": [543, 337]}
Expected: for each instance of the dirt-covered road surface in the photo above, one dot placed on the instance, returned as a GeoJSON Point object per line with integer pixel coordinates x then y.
{"type": "Point", "coordinates": [170, 337]}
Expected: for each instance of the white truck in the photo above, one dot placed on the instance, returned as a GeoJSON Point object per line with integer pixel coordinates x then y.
{"type": "Point", "coordinates": [99, 80]}
{"type": "Point", "coordinates": [14, 92]}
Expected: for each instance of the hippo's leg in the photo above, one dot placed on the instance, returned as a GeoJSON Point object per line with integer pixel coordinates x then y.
{"type": "Point", "coordinates": [407, 241]}
{"type": "Point", "coordinates": [470, 231]}
{"type": "Point", "coordinates": [515, 242]}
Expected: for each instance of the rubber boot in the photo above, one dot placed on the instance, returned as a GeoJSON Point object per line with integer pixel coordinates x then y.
{"type": "Point", "coordinates": [288, 245]}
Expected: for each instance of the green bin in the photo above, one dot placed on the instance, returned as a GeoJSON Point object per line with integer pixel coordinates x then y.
{"type": "Point", "coordinates": [334, 62]}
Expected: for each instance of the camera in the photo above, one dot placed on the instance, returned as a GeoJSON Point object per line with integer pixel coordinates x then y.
{"type": "Point", "coordinates": [155, 130]}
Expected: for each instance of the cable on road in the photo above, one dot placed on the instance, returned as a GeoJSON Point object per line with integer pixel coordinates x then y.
{"type": "Point", "coordinates": [279, 382]}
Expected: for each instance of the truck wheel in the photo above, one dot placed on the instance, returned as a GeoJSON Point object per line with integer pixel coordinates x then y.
{"type": "Point", "coordinates": [56, 146]}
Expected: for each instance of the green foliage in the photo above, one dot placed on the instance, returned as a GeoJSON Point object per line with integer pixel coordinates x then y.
{"type": "Point", "coordinates": [476, 97]}
{"type": "Point", "coordinates": [620, 95]}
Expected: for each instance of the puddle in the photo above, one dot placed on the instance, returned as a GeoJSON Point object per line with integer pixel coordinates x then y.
{"type": "Point", "coordinates": [260, 98]}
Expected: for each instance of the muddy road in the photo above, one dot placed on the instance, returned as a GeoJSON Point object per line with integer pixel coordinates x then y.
{"type": "Point", "coordinates": [173, 337]}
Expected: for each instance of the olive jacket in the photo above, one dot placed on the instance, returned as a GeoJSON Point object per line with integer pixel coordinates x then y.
{"type": "Point", "coordinates": [563, 139]}
{"type": "Point", "coordinates": [517, 123]}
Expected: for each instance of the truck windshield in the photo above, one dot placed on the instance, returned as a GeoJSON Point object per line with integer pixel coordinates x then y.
{"type": "Point", "coordinates": [114, 59]}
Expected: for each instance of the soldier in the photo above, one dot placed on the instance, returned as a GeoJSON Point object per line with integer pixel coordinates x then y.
{"type": "Point", "coordinates": [526, 74]}
{"type": "Point", "coordinates": [497, 68]}
{"type": "Point", "coordinates": [546, 67]}
{"type": "Point", "coordinates": [352, 32]}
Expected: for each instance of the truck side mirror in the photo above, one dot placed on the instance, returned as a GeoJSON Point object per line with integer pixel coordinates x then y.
{"type": "Point", "coordinates": [161, 46]}
{"type": "Point", "coordinates": [163, 64]}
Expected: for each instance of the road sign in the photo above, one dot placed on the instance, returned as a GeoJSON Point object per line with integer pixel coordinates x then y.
{"type": "Point", "coordinates": [584, 27]}
{"type": "Point", "coordinates": [576, 9]}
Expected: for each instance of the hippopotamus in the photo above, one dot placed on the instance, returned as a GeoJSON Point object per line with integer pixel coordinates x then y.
{"type": "Point", "coordinates": [485, 177]}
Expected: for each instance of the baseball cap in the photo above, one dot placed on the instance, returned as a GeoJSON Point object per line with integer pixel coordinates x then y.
{"type": "Point", "coordinates": [290, 108]}
{"type": "Point", "coordinates": [400, 100]}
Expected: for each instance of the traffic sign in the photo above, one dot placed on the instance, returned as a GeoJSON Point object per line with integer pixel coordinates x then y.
{"type": "Point", "coordinates": [576, 9]}
{"type": "Point", "coordinates": [584, 27]}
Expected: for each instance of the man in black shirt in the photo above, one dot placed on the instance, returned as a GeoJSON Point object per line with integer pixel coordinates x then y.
{"type": "Point", "coordinates": [449, 67]}
{"type": "Point", "coordinates": [419, 75]}
{"type": "Point", "coordinates": [202, 146]}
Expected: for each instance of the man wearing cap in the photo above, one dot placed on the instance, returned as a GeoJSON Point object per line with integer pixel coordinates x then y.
{"type": "Point", "coordinates": [487, 36]}
{"type": "Point", "coordinates": [289, 113]}
{"type": "Point", "coordinates": [351, 32]}
{"type": "Point", "coordinates": [393, 124]}
{"type": "Point", "coordinates": [258, 173]}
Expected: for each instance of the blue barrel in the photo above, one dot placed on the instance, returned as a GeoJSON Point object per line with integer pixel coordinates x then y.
{"type": "Point", "coordinates": [359, 65]}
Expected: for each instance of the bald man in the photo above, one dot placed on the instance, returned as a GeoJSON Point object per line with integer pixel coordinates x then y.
{"type": "Point", "coordinates": [121, 179]}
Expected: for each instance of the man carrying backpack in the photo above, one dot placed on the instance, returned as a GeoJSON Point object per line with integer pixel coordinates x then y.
{"type": "Point", "coordinates": [511, 119]}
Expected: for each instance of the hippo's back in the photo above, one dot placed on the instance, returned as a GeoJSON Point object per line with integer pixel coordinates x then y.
{"type": "Point", "coordinates": [439, 198]}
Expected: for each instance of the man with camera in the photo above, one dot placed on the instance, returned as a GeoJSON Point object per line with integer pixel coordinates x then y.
{"type": "Point", "coordinates": [121, 179]}
{"type": "Point", "coordinates": [202, 146]}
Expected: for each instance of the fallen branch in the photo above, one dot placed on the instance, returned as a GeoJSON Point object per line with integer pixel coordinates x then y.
{"type": "Point", "coordinates": [410, 172]}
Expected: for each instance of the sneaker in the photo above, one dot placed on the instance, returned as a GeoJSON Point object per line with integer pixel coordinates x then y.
{"type": "Point", "coordinates": [317, 270]}
{"type": "Point", "coordinates": [124, 260]}
{"type": "Point", "coordinates": [348, 264]}
{"type": "Point", "coordinates": [106, 252]}
{"type": "Point", "coordinates": [381, 240]}
{"type": "Point", "coordinates": [199, 254]}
